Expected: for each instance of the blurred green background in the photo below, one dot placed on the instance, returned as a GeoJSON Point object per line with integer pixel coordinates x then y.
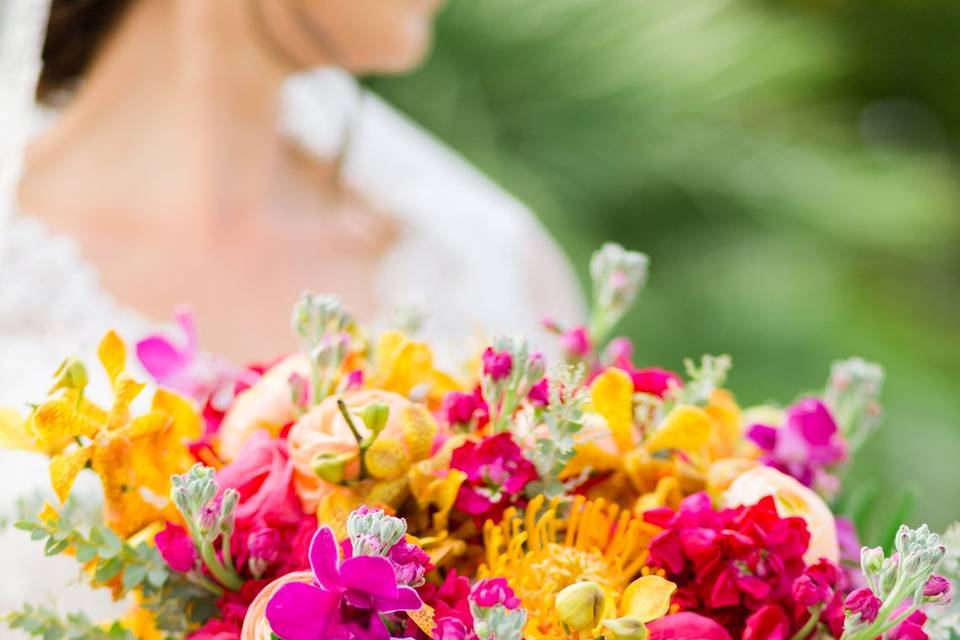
{"type": "Point", "coordinates": [790, 167]}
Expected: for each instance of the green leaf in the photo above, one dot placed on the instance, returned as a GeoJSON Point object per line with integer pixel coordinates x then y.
{"type": "Point", "coordinates": [133, 575]}
{"type": "Point", "coordinates": [54, 546]}
{"type": "Point", "coordinates": [108, 569]}
{"type": "Point", "coordinates": [110, 544]}
{"type": "Point", "coordinates": [26, 525]}
{"type": "Point", "coordinates": [85, 552]}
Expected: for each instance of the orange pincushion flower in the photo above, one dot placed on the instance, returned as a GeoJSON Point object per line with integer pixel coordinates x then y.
{"type": "Point", "coordinates": [542, 552]}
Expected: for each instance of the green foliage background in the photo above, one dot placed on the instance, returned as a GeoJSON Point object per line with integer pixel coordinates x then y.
{"type": "Point", "coordinates": [790, 167]}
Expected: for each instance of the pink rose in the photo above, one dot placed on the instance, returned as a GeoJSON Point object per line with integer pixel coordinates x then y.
{"type": "Point", "coordinates": [263, 474]}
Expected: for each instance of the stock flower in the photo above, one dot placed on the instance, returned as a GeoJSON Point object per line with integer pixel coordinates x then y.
{"type": "Point", "coordinates": [805, 446]}
{"type": "Point", "coordinates": [730, 563]}
{"type": "Point", "coordinates": [686, 626]}
{"type": "Point", "coordinates": [542, 552]}
{"type": "Point", "coordinates": [345, 599]}
{"type": "Point", "coordinates": [576, 343]}
{"type": "Point", "coordinates": [130, 454]}
{"type": "Point", "coordinates": [495, 473]}
{"type": "Point", "coordinates": [497, 364]}
{"type": "Point", "coordinates": [461, 408]}
{"type": "Point", "coordinates": [176, 548]}
{"type": "Point", "coordinates": [792, 499]}
{"type": "Point", "coordinates": [863, 603]}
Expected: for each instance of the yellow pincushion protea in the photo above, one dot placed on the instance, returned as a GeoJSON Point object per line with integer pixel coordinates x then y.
{"type": "Point", "coordinates": [541, 552]}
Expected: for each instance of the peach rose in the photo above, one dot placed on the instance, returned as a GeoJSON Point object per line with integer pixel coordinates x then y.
{"type": "Point", "coordinates": [407, 437]}
{"type": "Point", "coordinates": [268, 404]}
{"type": "Point", "coordinates": [255, 625]}
{"type": "Point", "coordinates": [792, 499]}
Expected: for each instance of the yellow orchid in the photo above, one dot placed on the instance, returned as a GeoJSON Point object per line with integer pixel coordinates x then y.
{"type": "Point", "coordinates": [403, 365]}
{"type": "Point", "coordinates": [134, 456]}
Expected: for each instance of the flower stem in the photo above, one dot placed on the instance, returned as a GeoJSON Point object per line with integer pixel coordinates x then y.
{"type": "Point", "coordinates": [810, 625]}
{"type": "Point", "coordinates": [356, 434]}
{"type": "Point", "coordinates": [229, 579]}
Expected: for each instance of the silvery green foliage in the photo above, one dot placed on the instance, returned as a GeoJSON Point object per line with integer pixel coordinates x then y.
{"type": "Point", "coordinates": [704, 379]}
{"type": "Point", "coordinates": [852, 392]}
{"type": "Point", "coordinates": [498, 622]}
{"type": "Point", "coordinates": [618, 276]}
{"type": "Point", "coordinates": [563, 417]}
{"type": "Point", "coordinates": [504, 395]}
{"type": "Point", "coordinates": [896, 579]}
{"type": "Point", "coordinates": [323, 327]}
{"type": "Point", "coordinates": [372, 532]}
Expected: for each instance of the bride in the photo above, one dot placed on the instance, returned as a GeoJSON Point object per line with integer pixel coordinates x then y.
{"type": "Point", "coordinates": [173, 156]}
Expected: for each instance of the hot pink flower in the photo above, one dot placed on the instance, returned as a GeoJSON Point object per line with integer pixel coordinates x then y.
{"type": "Point", "coordinates": [496, 473]}
{"type": "Point", "coordinates": [911, 628]}
{"type": "Point", "coordinates": [576, 343]}
{"type": "Point", "coordinates": [461, 408]}
{"type": "Point", "coordinates": [686, 626]}
{"type": "Point", "coordinates": [493, 591]}
{"type": "Point", "coordinates": [539, 394]}
{"type": "Point", "coordinates": [767, 623]}
{"type": "Point", "coordinates": [864, 602]}
{"type": "Point", "coordinates": [176, 548]}
{"type": "Point", "coordinates": [497, 364]}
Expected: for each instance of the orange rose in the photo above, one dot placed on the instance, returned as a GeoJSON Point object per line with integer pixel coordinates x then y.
{"type": "Point", "coordinates": [268, 404]}
{"type": "Point", "coordinates": [406, 438]}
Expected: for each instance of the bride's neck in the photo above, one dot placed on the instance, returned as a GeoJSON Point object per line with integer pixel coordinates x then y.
{"type": "Point", "coordinates": [178, 111]}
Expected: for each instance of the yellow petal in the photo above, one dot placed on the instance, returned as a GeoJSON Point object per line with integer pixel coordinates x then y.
{"type": "Point", "coordinates": [187, 424]}
{"type": "Point", "coordinates": [729, 425]}
{"type": "Point", "coordinates": [423, 618]}
{"type": "Point", "coordinates": [419, 431]}
{"type": "Point", "coordinates": [647, 598]}
{"type": "Point", "coordinates": [386, 459]}
{"type": "Point", "coordinates": [48, 513]}
{"type": "Point", "coordinates": [145, 425]}
{"type": "Point", "coordinates": [113, 355]}
{"type": "Point", "coordinates": [59, 418]}
{"type": "Point", "coordinates": [686, 428]}
{"type": "Point", "coordinates": [612, 397]}
{"type": "Point", "coordinates": [13, 431]}
{"type": "Point", "coordinates": [64, 469]}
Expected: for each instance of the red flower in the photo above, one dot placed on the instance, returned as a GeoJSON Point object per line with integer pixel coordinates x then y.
{"type": "Point", "coordinates": [741, 567]}
{"type": "Point", "coordinates": [496, 472]}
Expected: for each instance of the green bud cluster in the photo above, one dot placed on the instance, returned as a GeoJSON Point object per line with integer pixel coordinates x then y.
{"type": "Point", "coordinates": [618, 276]}
{"type": "Point", "coordinates": [373, 533]}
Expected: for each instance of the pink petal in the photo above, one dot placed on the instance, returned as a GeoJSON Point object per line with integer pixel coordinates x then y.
{"type": "Point", "coordinates": [301, 611]}
{"type": "Point", "coordinates": [373, 576]}
{"type": "Point", "coordinates": [325, 558]}
{"type": "Point", "coordinates": [160, 358]}
{"type": "Point", "coordinates": [407, 600]}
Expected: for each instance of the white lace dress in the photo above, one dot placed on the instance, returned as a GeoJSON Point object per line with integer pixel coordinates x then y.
{"type": "Point", "coordinates": [469, 257]}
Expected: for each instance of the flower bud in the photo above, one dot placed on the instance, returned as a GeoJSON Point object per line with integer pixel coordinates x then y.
{"type": "Point", "coordinates": [576, 343]}
{"type": "Point", "coordinates": [373, 533]}
{"type": "Point", "coordinates": [227, 510]}
{"type": "Point", "coordinates": [626, 628]}
{"type": "Point", "coordinates": [492, 592]}
{"type": "Point", "coordinates": [71, 374]}
{"type": "Point", "coordinates": [580, 605]}
{"type": "Point", "coordinates": [862, 606]}
{"type": "Point", "coordinates": [375, 416]}
{"type": "Point", "coordinates": [208, 520]}
{"type": "Point", "coordinates": [497, 364]}
{"type": "Point", "coordinates": [330, 467]}
{"type": "Point", "coordinates": [937, 590]}
{"type": "Point", "coordinates": [264, 547]}
{"type": "Point", "coordinates": [871, 560]}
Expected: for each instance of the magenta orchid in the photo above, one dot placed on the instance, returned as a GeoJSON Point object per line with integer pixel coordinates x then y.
{"type": "Point", "coordinates": [344, 602]}
{"type": "Point", "coordinates": [186, 369]}
{"type": "Point", "coordinates": [806, 446]}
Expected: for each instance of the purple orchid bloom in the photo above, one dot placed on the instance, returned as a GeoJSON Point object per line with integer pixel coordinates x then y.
{"type": "Point", "coordinates": [187, 370]}
{"type": "Point", "coordinates": [805, 446]}
{"type": "Point", "coordinates": [345, 601]}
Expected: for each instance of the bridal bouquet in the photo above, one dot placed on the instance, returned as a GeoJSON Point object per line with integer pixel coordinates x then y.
{"type": "Point", "coordinates": [354, 491]}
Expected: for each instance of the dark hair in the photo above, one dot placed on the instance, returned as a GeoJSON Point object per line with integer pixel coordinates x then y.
{"type": "Point", "coordinates": [75, 32]}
